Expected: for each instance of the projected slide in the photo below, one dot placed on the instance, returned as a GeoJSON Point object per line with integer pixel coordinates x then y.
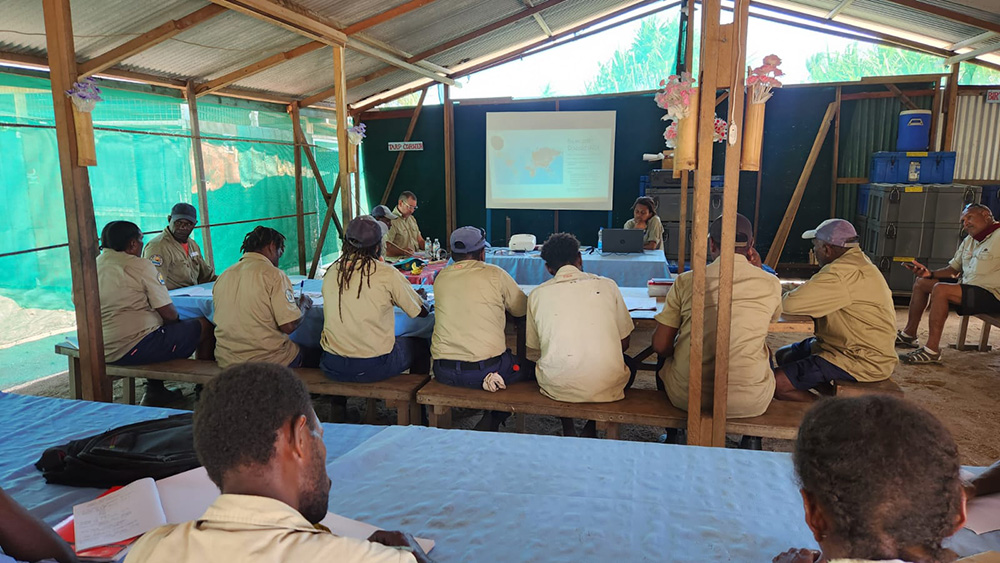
{"type": "Point", "coordinates": [550, 160]}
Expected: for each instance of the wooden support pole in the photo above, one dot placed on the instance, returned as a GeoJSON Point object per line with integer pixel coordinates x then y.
{"type": "Point", "coordinates": [836, 159]}
{"type": "Point", "coordinates": [902, 97]}
{"type": "Point", "coordinates": [935, 117]}
{"type": "Point", "coordinates": [199, 172]}
{"type": "Point", "coordinates": [730, 197]}
{"type": "Point", "coordinates": [952, 109]}
{"type": "Point", "coordinates": [331, 215]}
{"type": "Point", "coordinates": [682, 227]}
{"type": "Point", "coordinates": [81, 227]}
{"type": "Point", "coordinates": [700, 420]}
{"type": "Point", "coordinates": [343, 152]}
{"type": "Point", "coordinates": [300, 139]}
{"type": "Point", "coordinates": [449, 162]}
{"type": "Point", "coordinates": [300, 220]}
{"type": "Point", "coordinates": [401, 154]}
{"type": "Point", "coordinates": [774, 253]}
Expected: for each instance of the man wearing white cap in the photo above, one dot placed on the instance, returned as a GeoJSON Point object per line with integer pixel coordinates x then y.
{"type": "Point", "coordinates": [384, 215]}
{"type": "Point", "coordinates": [855, 319]}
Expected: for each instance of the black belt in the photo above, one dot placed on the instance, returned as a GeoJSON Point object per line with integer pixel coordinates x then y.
{"type": "Point", "coordinates": [454, 364]}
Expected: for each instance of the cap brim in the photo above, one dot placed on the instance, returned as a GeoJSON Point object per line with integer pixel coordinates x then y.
{"type": "Point", "coordinates": [391, 216]}
{"type": "Point", "coordinates": [809, 234]}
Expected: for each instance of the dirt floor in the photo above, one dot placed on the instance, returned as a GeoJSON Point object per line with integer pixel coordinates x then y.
{"type": "Point", "coordinates": [964, 392]}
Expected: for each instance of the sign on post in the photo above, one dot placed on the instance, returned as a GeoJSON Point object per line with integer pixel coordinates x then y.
{"type": "Point", "coordinates": [993, 96]}
{"type": "Point", "coordinates": [407, 146]}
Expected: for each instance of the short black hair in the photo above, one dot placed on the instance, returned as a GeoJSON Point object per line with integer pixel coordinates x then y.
{"type": "Point", "coordinates": [236, 422]}
{"type": "Point", "coordinates": [116, 235]}
{"type": "Point", "coordinates": [884, 471]}
{"type": "Point", "coordinates": [459, 256]}
{"type": "Point", "coordinates": [649, 202]}
{"type": "Point", "coordinates": [560, 249]}
{"type": "Point", "coordinates": [261, 237]}
{"type": "Point", "coordinates": [407, 195]}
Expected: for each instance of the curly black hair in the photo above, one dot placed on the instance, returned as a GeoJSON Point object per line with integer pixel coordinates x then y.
{"type": "Point", "coordinates": [885, 472]}
{"type": "Point", "coordinates": [560, 249]}
{"type": "Point", "coordinates": [116, 235]}
{"type": "Point", "coordinates": [261, 237]}
{"type": "Point", "coordinates": [236, 421]}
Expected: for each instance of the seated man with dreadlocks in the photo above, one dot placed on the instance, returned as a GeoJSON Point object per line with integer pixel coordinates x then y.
{"type": "Point", "coordinates": [256, 308]}
{"type": "Point", "coordinates": [359, 292]}
{"type": "Point", "coordinates": [879, 479]}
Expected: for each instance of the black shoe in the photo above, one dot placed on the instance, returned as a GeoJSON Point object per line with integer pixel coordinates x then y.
{"type": "Point", "coordinates": [751, 443]}
{"type": "Point", "coordinates": [160, 397]}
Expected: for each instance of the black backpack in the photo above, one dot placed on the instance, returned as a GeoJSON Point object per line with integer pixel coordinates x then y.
{"type": "Point", "coordinates": [153, 448]}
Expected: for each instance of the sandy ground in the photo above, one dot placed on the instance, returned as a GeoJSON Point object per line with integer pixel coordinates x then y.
{"type": "Point", "coordinates": [27, 325]}
{"type": "Point", "coordinates": [964, 392]}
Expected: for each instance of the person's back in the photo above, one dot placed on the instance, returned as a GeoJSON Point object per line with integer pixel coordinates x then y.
{"type": "Point", "coordinates": [130, 291]}
{"type": "Point", "coordinates": [578, 321]}
{"type": "Point", "coordinates": [855, 316]}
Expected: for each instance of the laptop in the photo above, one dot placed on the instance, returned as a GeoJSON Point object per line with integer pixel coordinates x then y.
{"type": "Point", "coordinates": [622, 240]}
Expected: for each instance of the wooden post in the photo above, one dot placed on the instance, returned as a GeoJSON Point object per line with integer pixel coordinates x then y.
{"type": "Point", "coordinates": [935, 117]}
{"type": "Point", "coordinates": [343, 151]}
{"type": "Point", "coordinates": [756, 205]}
{"type": "Point", "coordinates": [300, 220]}
{"type": "Point", "coordinates": [449, 162]}
{"type": "Point", "coordinates": [731, 189]}
{"type": "Point", "coordinates": [682, 228]}
{"type": "Point", "coordinates": [774, 253]}
{"type": "Point", "coordinates": [401, 154]}
{"type": "Point", "coordinates": [81, 228]}
{"type": "Point", "coordinates": [836, 160]}
{"type": "Point", "coordinates": [199, 172]}
{"type": "Point", "coordinates": [699, 394]}
{"type": "Point", "coordinates": [952, 105]}
{"type": "Point", "coordinates": [331, 216]}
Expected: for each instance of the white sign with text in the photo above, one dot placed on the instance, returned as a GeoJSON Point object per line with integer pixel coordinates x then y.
{"type": "Point", "coordinates": [406, 146]}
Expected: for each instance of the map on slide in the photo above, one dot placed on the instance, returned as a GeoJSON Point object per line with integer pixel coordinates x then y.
{"type": "Point", "coordinates": [535, 166]}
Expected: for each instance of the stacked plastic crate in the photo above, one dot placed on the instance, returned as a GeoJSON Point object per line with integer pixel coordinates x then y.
{"type": "Point", "coordinates": [911, 211]}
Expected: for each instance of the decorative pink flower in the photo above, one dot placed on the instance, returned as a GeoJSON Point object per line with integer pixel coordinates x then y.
{"type": "Point", "coordinates": [670, 135]}
{"type": "Point", "coordinates": [721, 130]}
{"type": "Point", "coordinates": [772, 60]}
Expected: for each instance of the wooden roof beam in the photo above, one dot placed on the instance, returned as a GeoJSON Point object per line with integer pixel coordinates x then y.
{"type": "Point", "coordinates": [974, 40]}
{"type": "Point", "coordinates": [839, 8]}
{"type": "Point", "coordinates": [156, 36]}
{"type": "Point", "coordinates": [538, 19]}
{"type": "Point", "coordinates": [971, 54]}
{"type": "Point", "coordinates": [259, 66]}
{"type": "Point", "coordinates": [385, 16]}
{"type": "Point", "coordinates": [290, 16]}
{"type": "Point", "coordinates": [949, 14]}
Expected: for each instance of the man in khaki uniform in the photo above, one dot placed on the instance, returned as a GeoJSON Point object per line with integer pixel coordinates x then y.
{"type": "Point", "coordinates": [258, 438]}
{"type": "Point", "coordinates": [404, 235]}
{"type": "Point", "coordinates": [140, 322]}
{"type": "Point", "coordinates": [756, 303]}
{"type": "Point", "coordinates": [359, 293]}
{"type": "Point", "coordinates": [971, 281]}
{"type": "Point", "coordinates": [175, 254]}
{"type": "Point", "coordinates": [854, 314]}
{"type": "Point", "coordinates": [384, 215]}
{"type": "Point", "coordinates": [256, 307]}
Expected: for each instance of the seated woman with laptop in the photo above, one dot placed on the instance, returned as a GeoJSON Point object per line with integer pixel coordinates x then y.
{"type": "Point", "coordinates": [644, 217]}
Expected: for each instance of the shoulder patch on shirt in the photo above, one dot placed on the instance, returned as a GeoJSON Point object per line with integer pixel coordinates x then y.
{"type": "Point", "coordinates": [159, 278]}
{"type": "Point", "coordinates": [156, 259]}
{"type": "Point", "coordinates": [289, 296]}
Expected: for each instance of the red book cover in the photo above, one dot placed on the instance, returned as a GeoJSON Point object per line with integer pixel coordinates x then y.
{"type": "Point", "coordinates": [109, 553]}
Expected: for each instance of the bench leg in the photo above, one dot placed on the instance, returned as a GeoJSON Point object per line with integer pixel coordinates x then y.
{"type": "Point", "coordinates": [371, 411]}
{"type": "Point", "coordinates": [440, 416]}
{"type": "Point", "coordinates": [128, 390]}
{"type": "Point", "coordinates": [612, 430]}
{"type": "Point", "coordinates": [984, 338]}
{"type": "Point", "coordinates": [963, 330]}
{"type": "Point", "coordinates": [519, 423]}
{"type": "Point", "coordinates": [75, 385]}
{"type": "Point", "coordinates": [402, 411]}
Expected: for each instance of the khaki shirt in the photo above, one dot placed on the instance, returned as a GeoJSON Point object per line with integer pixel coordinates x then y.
{"type": "Point", "coordinates": [979, 262]}
{"type": "Point", "coordinates": [578, 321]}
{"type": "Point", "coordinates": [178, 268]}
{"type": "Point", "coordinates": [855, 318]}
{"type": "Point", "coordinates": [130, 290]}
{"type": "Point", "coordinates": [252, 299]}
{"type": "Point", "coordinates": [404, 232]}
{"type": "Point", "coordinates": [756, 302]}
{"type": "Point", "coordinates": [252, 528]}
{"type": "Point", "coordinates": [654, 230]}
{"type": "Point", "coordinates": [470, 302]}
{"type": "Point", "coordinates": [365, 326]}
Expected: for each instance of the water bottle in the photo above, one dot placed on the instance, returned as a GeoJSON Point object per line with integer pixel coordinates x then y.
{"type": "Point", "coordinates": [600, 232]}
{"type": "Point", "coordinates": [435, 250]}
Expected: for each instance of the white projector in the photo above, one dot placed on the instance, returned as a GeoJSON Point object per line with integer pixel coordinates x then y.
{"type": "Point", "coordinates": [521, 243]}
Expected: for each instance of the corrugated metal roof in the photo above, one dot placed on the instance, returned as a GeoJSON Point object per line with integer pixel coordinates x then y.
{"type": "Point", "coordinates": [232, 41]}
{"type": "Point", "coordinates": [977, 139]}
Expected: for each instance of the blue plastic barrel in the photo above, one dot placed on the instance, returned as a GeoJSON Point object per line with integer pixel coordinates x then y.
{"type": "Point", "coordinates": [914, 130]}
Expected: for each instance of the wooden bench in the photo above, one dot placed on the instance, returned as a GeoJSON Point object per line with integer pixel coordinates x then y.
{"type": "Point", "coordinates": [989, 321]}
{"type": "Point", "coordinates": [398, 392]}
{"type": "Point", "coordinates": [859, 389]}
{"type": "Point", "coordinates": [640, 406]}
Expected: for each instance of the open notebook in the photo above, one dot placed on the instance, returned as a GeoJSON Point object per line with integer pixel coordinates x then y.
{"type": "Point", "coordinates": [146, 504]}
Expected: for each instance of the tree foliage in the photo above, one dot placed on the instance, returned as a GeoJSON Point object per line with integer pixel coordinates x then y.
{"type": "Point", "coordinates": [647, 60]}
{"type": "Point", "coordinates": [859, 60]}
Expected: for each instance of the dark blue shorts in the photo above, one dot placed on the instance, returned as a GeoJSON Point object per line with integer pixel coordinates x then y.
{"type": "Point", "coordinates": [471, 374]}
{"type": "Point", "coordinates": [805, 370]}
{"type": "Point", "coordinates": [369, 370]}
{"type": "Point", "coordinates": [169, 342]}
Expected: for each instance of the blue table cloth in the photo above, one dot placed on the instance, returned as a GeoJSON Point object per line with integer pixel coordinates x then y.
{"type": "Point", "coordinates": [628, 270]}
{"type": "Point", "coordinates": [498, 496]}
{"type": "Point", "coordinates": [309, 332]}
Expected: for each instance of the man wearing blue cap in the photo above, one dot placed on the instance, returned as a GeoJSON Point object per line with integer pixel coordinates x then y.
{"type": "Point", "coordinates": [175, 254]}
{"type": "Point", "coordinates": [854, 315]}
{"type": "Point", "coordinates": [472, 300]}
{"type": "Point", "coordinates": [384, 215]}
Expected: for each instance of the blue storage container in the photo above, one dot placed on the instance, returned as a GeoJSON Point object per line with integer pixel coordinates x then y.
{"type": "Point", "coordinates": [991, 199]}
{"type": "Point", "coordinates": [912, 168]}
{"type": "Point", "coordinates": [643, 185]}
{"type": "Point", "coordinates": [863, 191]}
{"type": "Point", "coordinates": [914, 130]}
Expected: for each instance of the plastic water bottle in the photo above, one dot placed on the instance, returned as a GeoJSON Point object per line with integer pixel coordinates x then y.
{"type": "Point", "coordinates": [435, 250]}
{"type": "Point", "coordinates": [600, 233]}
